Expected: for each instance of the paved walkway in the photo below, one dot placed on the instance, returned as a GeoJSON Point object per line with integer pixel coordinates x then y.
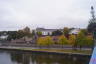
{"type": "Point", "coordinates": [93, 58]}
{"type": "Point", "coordinates": [43, 47]}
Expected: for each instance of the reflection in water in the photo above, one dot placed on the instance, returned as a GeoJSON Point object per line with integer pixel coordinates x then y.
{"type": "Point", "coordinates": [18, 57]}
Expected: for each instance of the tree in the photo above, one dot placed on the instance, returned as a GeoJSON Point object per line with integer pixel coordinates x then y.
{"type": "Point", "coordinates": [45, 41]}
{"type": "Point", "coordinates": [39, 33]}
{"type": "Point", "coordinates": [84, 31]}
{"type": "Point", "coordinates": [41, 41]}
{"type": "Point", "coordinates": [15, 34]}
{"type": "Point", "coordinates": [92, 29]}
{"type": "Point", "coordinates": [57, 33]}
{"type": "Point", "coordinates": [91, 26]}
{"type": "Point", "coordinates": [81, 39]}
{"type": "Point", "coordinates": [89, 41]}
{"type": "Point", "coordinates": [63, 40]}
{"type": "Point", "coordinates": [72, 40]}
{"type": "Point", "coordinates": [66, 32]}
{"type": "Point", "coordinates": [48, 40]}
{"type": "Point", "coordinates": [27, 32]}
{"type": "Point", "coordinates": [34, 33]}
{"type": "Point", "coordinates": [20, 34]}
{"type": "Point", "coordinates": [12, 35]}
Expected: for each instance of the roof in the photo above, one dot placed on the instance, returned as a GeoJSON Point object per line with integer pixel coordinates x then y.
{"type": "Point", "coordinates": [75, 31]}
{"type": "Point", "coordinates": [42, 29]}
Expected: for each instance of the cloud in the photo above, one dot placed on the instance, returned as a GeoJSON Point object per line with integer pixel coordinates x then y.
{"type": "Point", "coordinates": [15, 14]}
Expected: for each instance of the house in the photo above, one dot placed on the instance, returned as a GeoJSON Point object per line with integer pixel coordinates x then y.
{"type": "Point", "coordinates": [47, 31]}
{"type": "Point", "coordinates": [22, 40]}
{"type": "Point", "coordinates": [75, 31]}
{"type": "Point", "coordinates": [3, 37]}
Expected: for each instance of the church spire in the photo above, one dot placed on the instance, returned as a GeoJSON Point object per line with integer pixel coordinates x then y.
{"type": "Point", "coordinates": [92, 12]}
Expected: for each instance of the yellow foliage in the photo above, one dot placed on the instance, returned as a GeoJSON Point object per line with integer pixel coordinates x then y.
{"type": "Point", "coordinates": [72, 39]}
{"type": "Point", "coordinates": [62, 40]}
{"type": "Point", "coordinates": [41, 41]}
{"type": "Point", "coordinates": [45, 40]}
{"type": "Point", "coordinates": [89, 41]}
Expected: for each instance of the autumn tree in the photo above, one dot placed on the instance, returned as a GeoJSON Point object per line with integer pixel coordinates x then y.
{"type": "Point", "coordinates": [81, 39]}
{"type": "Point", "coordinates": [62, 40]}
{"type": "Point", "coordinates": [39, 33]}
{"type": "Point", "coordinates": [72, 40]}
{"type": "Point", "coordinates": [41, 41]}
{"type": "Point", "coordinates": [66, 32]}
{"type": "Point", "coordinates": [20, 34]}
{"type": "Point", "coordinates": [27, 32]}
{"type": "Point", "coordinates": [85, 32]}
{"type": "Point", "coordinates": [45, 41]}
{"type": "Point", "coordinates": [48, 40]}
{"type": "Point", "coordinates": [89, 41]}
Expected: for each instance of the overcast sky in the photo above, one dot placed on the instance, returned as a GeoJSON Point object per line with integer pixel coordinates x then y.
{"type": "Point", "coordinates": [16, 14]}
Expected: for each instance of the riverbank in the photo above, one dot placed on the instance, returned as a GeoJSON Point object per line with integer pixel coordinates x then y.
{"type": "Point", "coordinates": [56, 51]}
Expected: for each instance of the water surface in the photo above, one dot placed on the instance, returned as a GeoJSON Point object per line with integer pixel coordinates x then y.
{"type": "Point", "coordinates": [19, 57]}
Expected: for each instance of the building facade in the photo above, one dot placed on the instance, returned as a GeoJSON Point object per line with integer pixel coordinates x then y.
{"type": "Point", "coordinates": [75, 31]}
{"type": "Point", "coordinates": [47, 31]}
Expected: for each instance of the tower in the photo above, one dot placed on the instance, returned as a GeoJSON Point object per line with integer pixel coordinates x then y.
{"type": "Point", "coordinates": [92, 12]}
{"type": "Point", "coordinates": [92, 23]}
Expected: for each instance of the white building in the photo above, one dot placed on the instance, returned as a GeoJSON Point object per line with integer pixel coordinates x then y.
{"type": "Point", "coordinates": [46, 31]}
{"type": "Point", "coordinates": [75, 31]}
{"type": "Point", "coordinates": [3, 37]}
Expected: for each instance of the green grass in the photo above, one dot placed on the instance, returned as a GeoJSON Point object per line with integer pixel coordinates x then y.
{"type": "Point", "coordinates": [88, 52]}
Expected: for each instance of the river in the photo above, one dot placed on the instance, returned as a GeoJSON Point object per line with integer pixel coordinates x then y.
{"type": "Point", "coordinates": [20, 57]}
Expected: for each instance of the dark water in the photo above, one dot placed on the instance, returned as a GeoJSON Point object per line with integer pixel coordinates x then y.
{"type": "Point", "coordinates": [17, 57]}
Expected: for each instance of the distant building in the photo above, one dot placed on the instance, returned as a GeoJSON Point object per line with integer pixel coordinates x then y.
{"type": "Point", "coordinates": [22, 40]}
{"type": "Point", "coordinates": [18, 41]}
{"type": "Point", "coordinates": [75, 31]}
{"type": "Point", "coordinates": [3, 37]}
{"type": "Point", "coordinates": [46, 31]}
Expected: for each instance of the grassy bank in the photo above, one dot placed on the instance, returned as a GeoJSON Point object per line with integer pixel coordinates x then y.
{"type": "Point", "coordinates": [67, 51]}
{"type": "Point", "coordinates": [70, 51]}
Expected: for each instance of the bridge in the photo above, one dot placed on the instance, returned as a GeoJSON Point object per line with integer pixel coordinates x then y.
{"type": "Point", "coordinates": [93, 57]}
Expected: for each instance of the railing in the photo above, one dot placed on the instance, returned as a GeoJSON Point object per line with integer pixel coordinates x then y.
{"type": "Point", "coordinates": [93, 57]}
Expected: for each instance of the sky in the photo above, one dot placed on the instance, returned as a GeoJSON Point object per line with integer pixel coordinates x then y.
{"type": "Point", "coordinates": [17, 14]}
